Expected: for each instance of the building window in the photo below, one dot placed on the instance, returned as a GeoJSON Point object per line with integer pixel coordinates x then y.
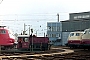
{"type": "Point", "coordinates": [49, 28]}
{"type": "Point", "coordinates": [58, 35]}
{"type": "Point", "coordinates": [49, 35]}
{"type": "Point", "coordinates": [53, 35]}
{"type": "Point", "coordinates": [58, 28]}
{"type": "Point", "coordinates": [53, 28]}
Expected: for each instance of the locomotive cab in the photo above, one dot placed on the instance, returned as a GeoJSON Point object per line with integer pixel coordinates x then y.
{"type": "Point", "coordinates": [74, 39]}
{"type": "Point", "coordinates": [23, 42]}
{"type": "Point", "coordinates": [86, 38]}
{"type": "Point", "coordinates": [26, 42]}
{"type": "Point", "coordinates": [7, 38]}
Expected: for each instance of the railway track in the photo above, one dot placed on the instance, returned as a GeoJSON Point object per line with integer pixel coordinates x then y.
{"type": "Point", "coordinates": [34, 55]}
{"type": "Point", "coordinates": [56, 53]}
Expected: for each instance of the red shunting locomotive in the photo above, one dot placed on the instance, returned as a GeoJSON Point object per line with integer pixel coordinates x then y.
{"type": "Point", "coordinates": [26, 42]}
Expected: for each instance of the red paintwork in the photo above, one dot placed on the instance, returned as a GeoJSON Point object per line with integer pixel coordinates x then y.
{"type": "Point", "coordinates": [74, 41]}
{"type": "Point", "coordinates": [5, 39]}
{"type": "Point", "coordinates": [85, 41]}
{"type": "Point", "coordinates": [25, 45]}
{"type": "Point", "coordinates": [36, 40]}
{"type": "Point", "coordinates": [39, 39]}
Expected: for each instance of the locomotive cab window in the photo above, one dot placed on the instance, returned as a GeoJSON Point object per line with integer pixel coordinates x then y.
{"type": "Point", "coordinates": [2, 31]}
{"type": "Point", "coordinates": [72, 34]}
{"type": "Point", "coordinates": [25, 39]}
{"type": "Point", "coordinates": [77, 34]}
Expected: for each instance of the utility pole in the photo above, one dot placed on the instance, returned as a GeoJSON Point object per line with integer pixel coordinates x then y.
{"type": "Point", "coordinates": [44, 34]}
{"type": "Point", "coordinates": [24, 29]}
{"type": "Point", "coordinates": [29, 30]}
{"type": "Point", "coordinates": [36, 33]}
{"type": "Point", "coordinates": [58, 17]}
{"type": "Point", "coordinates": [32, 38]}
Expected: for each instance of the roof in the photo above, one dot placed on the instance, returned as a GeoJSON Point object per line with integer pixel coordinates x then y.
{"type": "Point", "coordinates": [53, 22]}
{"type": "Point", "coordinates": [80, 12]}
{"type": "Point", "coordinates": [78, 32]}
{"type": "Point", "coordinates": [74, 20]}
{"type": "Point", "coordinates": [23, 35]}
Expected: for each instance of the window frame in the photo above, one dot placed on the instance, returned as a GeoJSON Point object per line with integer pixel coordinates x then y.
{"type": "Point", "coordinates": [2, 31]}
{"type": "Point", "coordinates": [77, 34]}
{"type": "Point", "coordinates": [72, 34]}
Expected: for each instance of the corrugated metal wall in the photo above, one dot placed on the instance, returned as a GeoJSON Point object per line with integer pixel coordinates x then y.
{"type": "Point", "coordinates": [64, 37]}
{"type": "Point", "coordinates": [75, 25]}
{"type": "Point", "coordinates": [80, 15]}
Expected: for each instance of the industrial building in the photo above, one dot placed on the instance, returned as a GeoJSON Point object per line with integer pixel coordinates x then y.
{"type": "Point", "coordinates": [54, 32]}
{"type": "Point", "coordinates": [58, 31]}
{"type": "Point", "coordinates": [75, 25]}
{"type": "Point", "coordinates": [79, 16]}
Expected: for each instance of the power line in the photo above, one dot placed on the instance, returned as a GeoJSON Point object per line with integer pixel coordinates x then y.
{"type": "Point", "coordinates": [29, 15]}
{"type": "Point", "coordinates": [36, 14]}
{"type": "Point", "coordinates": [29, 20]}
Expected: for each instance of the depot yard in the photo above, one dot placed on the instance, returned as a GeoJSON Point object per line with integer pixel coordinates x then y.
{"type": "Point", "coordinates": [56, 53]}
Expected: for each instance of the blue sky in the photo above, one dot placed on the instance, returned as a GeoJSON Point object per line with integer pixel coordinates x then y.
{"type": "Point", "coordinates": [14, 13]}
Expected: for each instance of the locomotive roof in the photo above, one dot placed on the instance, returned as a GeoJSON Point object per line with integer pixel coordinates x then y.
{"type": "Point", "coordinates": [3, 26]}
{"type": "Point", "coordinates": [78, 32]}
{"type": "Point", "coordinates": [87, 29]}
{"type": "Point", "coordinates": [23, 35]}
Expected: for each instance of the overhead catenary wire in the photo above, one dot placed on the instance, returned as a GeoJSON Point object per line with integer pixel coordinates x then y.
{"type": "Point", "coordinates": [27, 19]}
{"type": "Point", "coordinates": [17, 20]}
{"type": "Point", "coordinates": [28, 15]}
